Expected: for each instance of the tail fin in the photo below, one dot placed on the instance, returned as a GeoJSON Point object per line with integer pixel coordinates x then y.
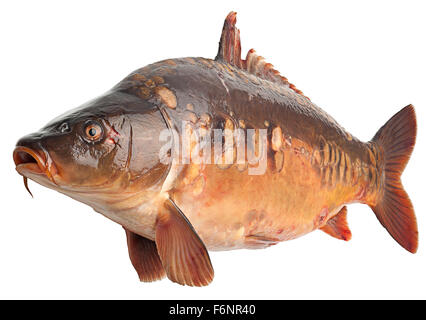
{"type": "Point", "coordinates": [394, 209]}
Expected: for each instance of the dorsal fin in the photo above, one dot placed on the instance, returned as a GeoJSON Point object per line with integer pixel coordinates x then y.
{"type": "Point", "coordinates": [337, 226]}
{"type": "Point", "coordinates": [230, 44]}
{"type": "Point", "coordinates": [230, 51]}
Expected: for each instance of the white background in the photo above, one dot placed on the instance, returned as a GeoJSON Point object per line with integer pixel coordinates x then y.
{"type": "Point", "coordinates": [361, 62]}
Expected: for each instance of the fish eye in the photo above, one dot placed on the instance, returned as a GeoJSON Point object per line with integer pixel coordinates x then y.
{"type": "Point", "coordinates": [93, 131]}
{"type": "Point", "coordinates": [64, 127]}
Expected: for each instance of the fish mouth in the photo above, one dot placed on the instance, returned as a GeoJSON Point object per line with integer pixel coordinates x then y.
{"type": "Point", "coordinates": [29, 160]}
{"type": "Point", "coordinates": [34, 164]}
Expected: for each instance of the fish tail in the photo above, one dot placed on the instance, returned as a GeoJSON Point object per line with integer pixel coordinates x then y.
{"type": "Point", "coordinates": [393, 207]}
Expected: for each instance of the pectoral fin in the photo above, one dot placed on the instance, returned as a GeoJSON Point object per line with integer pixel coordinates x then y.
{"type": "Point", "coordinates": [144, 257]}
{"type": "Point", "coordinates": [183, 254]}
{"type": "Point", "coordinates": [337, 226]}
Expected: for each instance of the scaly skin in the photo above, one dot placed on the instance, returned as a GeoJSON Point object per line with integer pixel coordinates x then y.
{"type": "Point", "coordinates": [314, 168]}
{"type": "Point", "coordinates": [231, 209]}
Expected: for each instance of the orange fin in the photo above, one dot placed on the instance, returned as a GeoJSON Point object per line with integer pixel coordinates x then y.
{"type": "Point", "coordinates": [337, 226]}
{"type": "Point", "coordinates": [230, 52]}
{"type": "Point", "coordinates": [183, 254]}
{"type": "Point", "coordinates": [144, 257]}
{"type": "Point", "coordinates": [230, 44]}
{"type": "Point", "coordinates": [393, 208]}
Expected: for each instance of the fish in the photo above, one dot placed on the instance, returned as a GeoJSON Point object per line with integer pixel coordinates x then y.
{"type": "Point", "coordinates": [192, 155]}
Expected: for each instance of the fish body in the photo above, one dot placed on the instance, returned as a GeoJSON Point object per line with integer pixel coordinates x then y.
{"type": "Point", "coordinates": [145, 155]}
{"type": "Point", "coordinates": [312, 160]}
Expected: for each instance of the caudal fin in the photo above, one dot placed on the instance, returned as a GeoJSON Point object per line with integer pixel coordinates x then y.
{"type": "Point", "coordinates": [394, 209]}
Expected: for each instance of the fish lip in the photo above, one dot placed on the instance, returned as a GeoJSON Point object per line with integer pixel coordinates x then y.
{"type": "Point", "coordinates": [32, 161]}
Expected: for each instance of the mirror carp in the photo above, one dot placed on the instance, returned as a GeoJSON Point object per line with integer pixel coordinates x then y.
{"type": "Point", "coordinates": [195, 154]}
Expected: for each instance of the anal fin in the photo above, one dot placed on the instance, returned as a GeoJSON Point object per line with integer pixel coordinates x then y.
{"type": "Point", "coordinates": [337, 226]}
{"type": "Point", "coordinates": [259, 241]}
{"type": "Point", "coordinates": [144, 257]}
{"type": "Point", "coordinates": [182, 252]}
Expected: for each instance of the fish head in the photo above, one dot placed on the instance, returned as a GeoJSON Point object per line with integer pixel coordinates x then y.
{"type": "Point", "coordinates": [106, 148]}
